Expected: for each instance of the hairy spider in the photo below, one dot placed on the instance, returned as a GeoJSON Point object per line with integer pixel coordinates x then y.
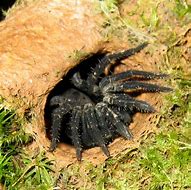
{"type": "Point", "coordinates": [95, 108]}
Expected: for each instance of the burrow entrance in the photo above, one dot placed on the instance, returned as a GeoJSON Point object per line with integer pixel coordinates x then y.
{"type": "Point", "coordinates": [142, 123]}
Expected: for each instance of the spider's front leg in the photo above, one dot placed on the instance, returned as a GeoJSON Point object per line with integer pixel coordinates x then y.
{"type": "Point", "coordinates": [131, 86]}
{"type": "Point", "coordinates": [91, 134]}
{"type": "Point", "coordinates": [118, 125]}
{"type": "Point", "coordinates": [108, 59]}
{"type": "Point", "coordinates": [75, 132]}
{"type": "Point", "coordinates": [90, 84]}
{"type": "Point", "coordinates": [127, 102]}
{"type": "Point", "coordinates": [130, 74]}
{"type": "Point", "coordinates": [56, 121]}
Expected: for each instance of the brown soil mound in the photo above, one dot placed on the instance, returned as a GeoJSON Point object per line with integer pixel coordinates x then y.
{"type": "Point", "coordinates": [39, 45]}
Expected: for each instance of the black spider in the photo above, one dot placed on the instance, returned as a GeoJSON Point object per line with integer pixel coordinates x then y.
{"type": "Point", "coordinates": [96, 108]}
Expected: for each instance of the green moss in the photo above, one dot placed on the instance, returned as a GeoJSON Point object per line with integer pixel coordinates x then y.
{"type": "Point", "coordinates": [182, 8]}
{"type": "Point", "coordinates": [18, 170]}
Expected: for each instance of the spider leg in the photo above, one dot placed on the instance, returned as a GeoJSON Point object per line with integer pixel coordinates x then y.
{"type": "Point", "coordinates": [134, 86]}
{"type": "Point", "coordinates": [124, 114]}
{"type": "Point", "coordinates": [117, 123]}
{"type": "Point", "coordinates": [86, 139]}
{"type": "Point", "coordinates": [127, 53]}
{"type": "Point", "coordinates": [75, 136]}
{"type": "Point", "coordinates": [126, 101]}
{"type": "Point", "coordinates": [94, 131]}
{"type": "Point", "coordinates": [129, 75]}
{"type": "Point", "coordinates": [107, 59]}
{"type": "Point", "coordinates": [103, 125]}
{"type": "Point", "coordinates": [56, 117]}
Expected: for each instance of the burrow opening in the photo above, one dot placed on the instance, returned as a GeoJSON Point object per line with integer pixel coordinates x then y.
{"type": "Point", "coordinates": [85, 67]}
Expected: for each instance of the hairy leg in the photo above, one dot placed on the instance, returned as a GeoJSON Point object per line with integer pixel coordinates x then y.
{"type": "Point", "coordinates": [126, 101]}
{"type": "Point", "coordinates": [130, 74]}
{"type": "Point", "coordinates": [56, 118]}
{"type": "Point", "coordinates": [90, 85]}
{"type": "Point", "coordinates": [119, 126]}
{"type": "Point", "coordinates": [75, 134]}
{"type": "Point", "coordinates": [94, 131]}
{"type": "Point", "coordinates": [108, 59]}
{"type": "Point", "coordinates": [131, 86]}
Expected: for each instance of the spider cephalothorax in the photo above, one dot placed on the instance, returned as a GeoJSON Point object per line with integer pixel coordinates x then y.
{"type": "Point", "coordinates": [96, 108]}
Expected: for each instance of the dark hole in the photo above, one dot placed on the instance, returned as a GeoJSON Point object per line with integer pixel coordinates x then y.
{"type": "Point", "coordinates": [4, 6]}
